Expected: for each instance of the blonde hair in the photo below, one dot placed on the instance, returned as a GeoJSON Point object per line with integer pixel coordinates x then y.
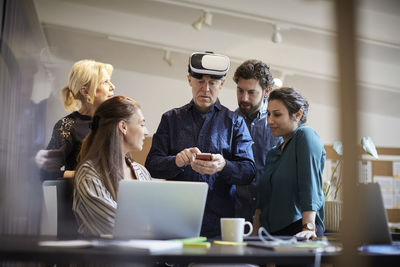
{"type": "Point", "coordinates": [84, 73]}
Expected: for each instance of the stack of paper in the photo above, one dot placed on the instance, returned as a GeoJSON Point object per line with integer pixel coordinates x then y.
{"type": "Point", "coordinates": [67, 243]}
{"type": "Point", "coordinates": [150, 246]}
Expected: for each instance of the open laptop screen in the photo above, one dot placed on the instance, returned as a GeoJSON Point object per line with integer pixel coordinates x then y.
{"type": "Point", "coordinates": [159, 209]}
{"type": "Point", "coordinates": [373, 215]}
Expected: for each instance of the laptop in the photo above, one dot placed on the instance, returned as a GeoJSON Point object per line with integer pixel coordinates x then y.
{"type": "Point", "coordinates": [159, 209]}
{"type": "Point", "coordinates": [373, 215]}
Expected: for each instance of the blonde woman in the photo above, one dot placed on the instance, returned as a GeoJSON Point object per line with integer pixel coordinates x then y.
{"type": "Point", "coordinates": [88, 86]}
{"type": "Point", "coordinates": [118, 128]}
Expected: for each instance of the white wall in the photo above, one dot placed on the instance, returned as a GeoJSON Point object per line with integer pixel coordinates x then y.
{"type": "Point", "coordinates": [384, 130]}
{"type": "Point", "coordinates": [159, 94]}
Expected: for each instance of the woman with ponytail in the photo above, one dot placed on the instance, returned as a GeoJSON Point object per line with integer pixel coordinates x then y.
{"type": "Point", "coordinates": [291, 198]}
{"type": "Point", "coordinates": [88, 86]}
{"type": "Point", "coordinates": [118, 128]}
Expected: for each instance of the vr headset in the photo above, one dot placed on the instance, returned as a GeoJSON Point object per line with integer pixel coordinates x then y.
{"type": "Point", "coordinates": [208, 63]}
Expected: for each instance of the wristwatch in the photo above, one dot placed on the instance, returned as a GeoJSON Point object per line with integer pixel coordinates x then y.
{"type": "Point", "coordinates": [309, 226]}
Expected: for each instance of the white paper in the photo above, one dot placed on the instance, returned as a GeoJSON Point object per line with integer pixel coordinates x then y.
{"type": "Point", "coordinates": [396, 169]}
{"type": "Point", "coordinates": [388, 201]}
{"type": "Point", "coordinates": [49, 211]}
{"type": "Point", "coordinates": [365, 171]}
{"type": "Point", "coordinates": [396, 184]}
{"type": "Point", "coordinates": [66, 243]}
{"type": "Point", "coordinates": [396, 193]}
{"type": "Point", "coordinates": [154, 245]}
{"type": "Point", "coordinates": [397, 201]}
{"type": "Point", "coordinates": [151, 246]}
{"type": "Point", "coordinates": [386, 184]}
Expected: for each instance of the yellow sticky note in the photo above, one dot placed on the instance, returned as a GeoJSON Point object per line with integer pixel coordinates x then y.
{"type": "Point", "coordinates": [192, 240]}
{"type": "Point", "coordinates": [229, 243]}
{"type": "Point", "coordinates": [199, 244]}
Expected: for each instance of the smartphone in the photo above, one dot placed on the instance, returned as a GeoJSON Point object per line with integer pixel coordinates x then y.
{"type": "Point", "coordinates": [204, 156]}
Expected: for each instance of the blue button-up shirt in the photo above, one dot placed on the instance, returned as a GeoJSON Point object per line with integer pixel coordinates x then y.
{"type": "Point", "coordinates": [219, 131]}
{"type": "Point", "coordinates": [263, 141]}
{"type": "Point", "coordinates": [292, 182]}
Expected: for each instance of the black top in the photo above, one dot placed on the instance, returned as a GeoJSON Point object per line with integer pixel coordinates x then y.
{"type": "Point", "coordinates": [68, 134]}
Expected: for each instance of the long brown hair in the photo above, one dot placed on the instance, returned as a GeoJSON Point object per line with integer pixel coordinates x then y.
{"type": "Point", "coordinates": [103, 144]}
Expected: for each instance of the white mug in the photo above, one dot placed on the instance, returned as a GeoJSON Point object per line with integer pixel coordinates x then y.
{"type": "Point", "coordinates": [232, 229]}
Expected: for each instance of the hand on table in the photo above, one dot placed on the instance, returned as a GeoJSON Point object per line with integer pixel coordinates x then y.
{"type": "Point", "coordinates": [307, 234]}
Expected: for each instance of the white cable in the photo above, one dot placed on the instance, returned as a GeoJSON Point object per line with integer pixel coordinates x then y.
{"type": "Point", "coordinates": [318, 254]}
{"type": "Point", "coordinates": [274, 240]}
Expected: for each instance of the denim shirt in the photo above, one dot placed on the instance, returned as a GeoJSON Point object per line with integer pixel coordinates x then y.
{"type": "Point", "coordinates": [219, 131]}
{"type": "Point", "coordinates": [263, 141]}
{"type": "Point", "coordinates": [292, 182]}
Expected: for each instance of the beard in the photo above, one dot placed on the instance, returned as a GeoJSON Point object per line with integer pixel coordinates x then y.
{"type": "Point", "coordinates": [251, 109]}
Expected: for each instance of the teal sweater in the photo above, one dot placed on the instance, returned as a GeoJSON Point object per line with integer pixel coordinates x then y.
{"type": "Point", "coordinates": [292, 181]}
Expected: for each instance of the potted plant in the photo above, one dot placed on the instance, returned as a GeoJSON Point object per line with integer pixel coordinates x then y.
{"type": "Point", "coordinates": [331, 187]}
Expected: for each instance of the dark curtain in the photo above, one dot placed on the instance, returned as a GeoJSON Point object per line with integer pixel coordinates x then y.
{"type": "Point", "coordinates": [22, 121]}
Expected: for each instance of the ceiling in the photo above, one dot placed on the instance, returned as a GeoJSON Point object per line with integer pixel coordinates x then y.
{"type": "Point", "coordinates": [133, 35]}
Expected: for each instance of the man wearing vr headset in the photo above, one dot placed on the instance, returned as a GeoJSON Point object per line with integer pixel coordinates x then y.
{"type": "Point", "coordinates": [204, 125]}
{"type": "Point", "coordinates": [254, 82]}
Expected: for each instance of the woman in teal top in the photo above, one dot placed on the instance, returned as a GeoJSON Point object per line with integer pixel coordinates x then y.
{"type": "Point", "coordinates": [291, 197]}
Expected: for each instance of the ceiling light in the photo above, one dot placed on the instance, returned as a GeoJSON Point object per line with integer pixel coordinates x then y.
{"type": "Point", "coordinates": [167, 57]}
{"type": "Point", "coordinates": [205, 18]}
{"type": "Point", "coordinates": [278, 82]}
{"type": "Point", "coordinates": [276, 35]}
{"type": "Point", "coordinates": [198, 23]}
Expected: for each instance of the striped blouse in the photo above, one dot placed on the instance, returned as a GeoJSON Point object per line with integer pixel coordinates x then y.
{"type": "Point", "coordinates": [93, 204]}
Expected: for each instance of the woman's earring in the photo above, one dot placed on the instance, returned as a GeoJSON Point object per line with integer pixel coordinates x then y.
{"type": "Point", "coordinates": [88, 99]}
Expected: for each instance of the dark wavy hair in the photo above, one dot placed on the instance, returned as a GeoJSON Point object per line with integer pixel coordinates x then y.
{"type": "Point", "coordinates": [255, 69]}
{"type": "Point", "coordinates": [293, 101]}
{"type": "Point", "coordinates": [103, 146]}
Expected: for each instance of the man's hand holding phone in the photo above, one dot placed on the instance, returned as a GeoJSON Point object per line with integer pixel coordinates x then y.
{"type": "Point", "coordinates": [186, 156]}
{"type": "Point", "coordinates": [207, 163]}
{"type": "Point", "coordinates": [203, 163]}
{"type": "Point", "coordinates": [204, 156]}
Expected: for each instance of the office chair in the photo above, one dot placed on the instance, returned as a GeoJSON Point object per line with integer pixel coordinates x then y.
{"type": "Point", "coordinates": [58, 209]}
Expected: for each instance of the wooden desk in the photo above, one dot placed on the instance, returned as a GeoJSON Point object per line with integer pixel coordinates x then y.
{"type": "Point", "coordinates": [26, 249]}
